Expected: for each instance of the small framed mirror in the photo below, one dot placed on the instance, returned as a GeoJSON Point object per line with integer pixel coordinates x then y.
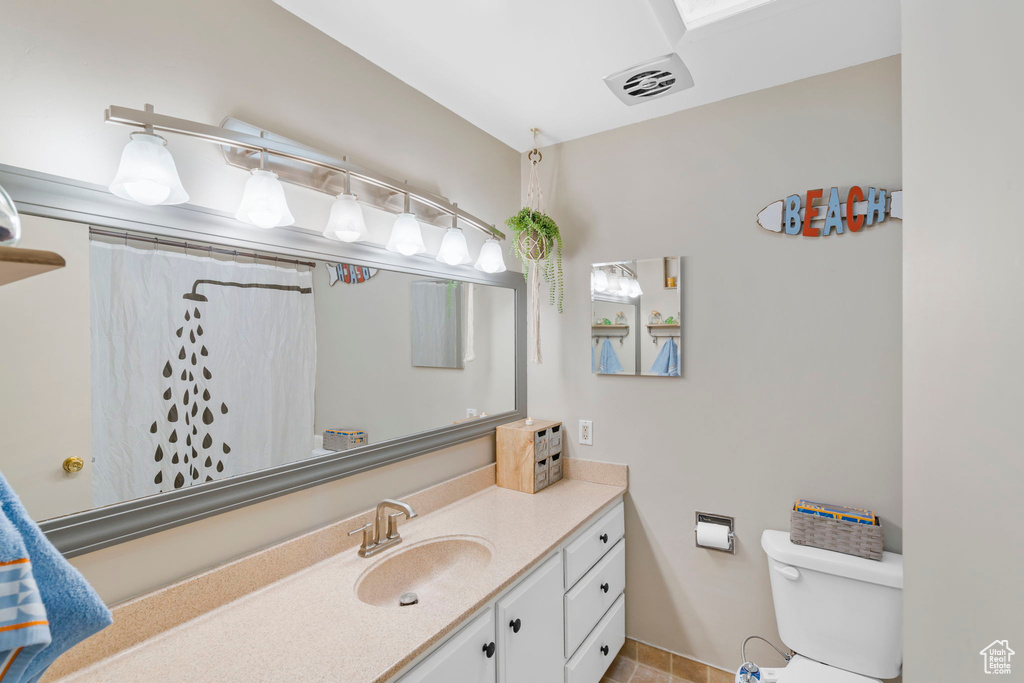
{"type": "Point", "coordinates": [636, 317]}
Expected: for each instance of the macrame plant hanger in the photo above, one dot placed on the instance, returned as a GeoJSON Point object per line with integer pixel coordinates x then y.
{"type": "Point", "coordinates": [536, 247]}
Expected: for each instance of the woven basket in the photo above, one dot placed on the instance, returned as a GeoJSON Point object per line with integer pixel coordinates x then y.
{"type": "Point", "coordinates": [862, 540]}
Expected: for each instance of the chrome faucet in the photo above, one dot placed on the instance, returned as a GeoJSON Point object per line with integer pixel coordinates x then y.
{"type": "Point", "coordinates": [373, 541]}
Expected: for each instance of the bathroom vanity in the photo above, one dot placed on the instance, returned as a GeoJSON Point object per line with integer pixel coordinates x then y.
{"type": "Point", "coordinates": [569, 614]}
{"type": "Point", "coordinates": [511, 586]}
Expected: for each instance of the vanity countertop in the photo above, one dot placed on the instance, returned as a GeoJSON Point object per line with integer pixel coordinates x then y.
{"type": "Point", "coordinates": [311, 625]}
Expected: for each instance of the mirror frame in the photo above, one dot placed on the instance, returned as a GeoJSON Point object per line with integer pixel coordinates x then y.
{"type": "Point", "coordinates": [49, 196]}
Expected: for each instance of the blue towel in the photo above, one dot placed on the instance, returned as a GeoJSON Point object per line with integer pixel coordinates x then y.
{"type": "Point", "coordinates": [667, 362]}
{"type": "Point", "coordinates": [73, 608]}
{"type": "Point", "coordinates": [609, 361]}
{"type": "Point", "coordinates": [24, 631]}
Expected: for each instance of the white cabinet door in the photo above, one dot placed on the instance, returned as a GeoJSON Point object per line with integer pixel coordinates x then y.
{"type": "Point", "coordinates": [530, 628]}
{"type": "Point", "coordinates": [468, 656]}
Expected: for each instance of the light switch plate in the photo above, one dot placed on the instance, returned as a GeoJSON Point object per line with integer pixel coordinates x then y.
{"type": "Point", "coordinates": [586, 432]}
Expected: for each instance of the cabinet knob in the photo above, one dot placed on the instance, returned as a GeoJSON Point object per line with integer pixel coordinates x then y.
{"type": "Point", "coordinates": [515, 625]}
{"type": "Point", "coordinates": [489, 649]}
{"type": "Point", "coordinates": [604, 650]}
{"type": "Point", "coordinates": [604, 538]}
{"type": "Point", "coordinates": [604, 587]}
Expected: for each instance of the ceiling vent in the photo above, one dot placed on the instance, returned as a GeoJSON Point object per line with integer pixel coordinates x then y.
{"type": "Point", "coordinates": [651, 80]}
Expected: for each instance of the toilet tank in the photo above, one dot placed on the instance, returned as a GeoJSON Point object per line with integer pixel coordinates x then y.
{"type": "Point", "coordinates": [838, 609]}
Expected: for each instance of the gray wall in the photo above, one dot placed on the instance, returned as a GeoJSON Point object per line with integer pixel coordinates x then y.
{"type": "Point", "coordinates": [963, 366]}
{"type": "Point", "coordinates": [791, 348]}
{"type": "Point", "coordinates": [62, 63]}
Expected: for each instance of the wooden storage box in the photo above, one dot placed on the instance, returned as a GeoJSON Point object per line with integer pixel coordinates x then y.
{"type": "Point", "coordinates": [525, 454]}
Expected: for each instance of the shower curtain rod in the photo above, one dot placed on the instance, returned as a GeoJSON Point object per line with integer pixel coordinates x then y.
{"type": "Point", "coordinates": [198, 247]}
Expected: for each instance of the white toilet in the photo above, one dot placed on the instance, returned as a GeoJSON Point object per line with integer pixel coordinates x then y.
{"type": "Point", "coordinates": [842, 615]}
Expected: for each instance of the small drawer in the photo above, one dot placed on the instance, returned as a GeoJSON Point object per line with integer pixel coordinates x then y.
{"type": "Point", "coordinates": [540, 475]}
{"type": "Point", "coordinates": [540, 444]}
{"type": "Point", "coordinates": [555, 440]}
{"type": "Point", "coordinates": [599, 649]}
{"type": "Point", "coordinates": [592, 595]}
{"type": "Point", "coordinates": [554, 468]}
{"type": "Point", "coordinates": [591, 545]}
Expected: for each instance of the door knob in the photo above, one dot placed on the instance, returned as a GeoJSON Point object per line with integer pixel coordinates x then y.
{"type": "Point", "coordinates": [515, 625]}
{"type": "Point", "coordinates": [489, 649]}
{"type": "Point", "coordinates": [604, 587]}
{"type": "Point", "coordinates": [73, 464]}
{"type": "Point", "coordinates": [604, 538]}
{"type": "Point", "coordinates": [604, 650]}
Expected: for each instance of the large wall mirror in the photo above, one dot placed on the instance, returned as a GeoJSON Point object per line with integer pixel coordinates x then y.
{"type": "Point", "coordinates": [636, 326]}
{"type": "Point", "coordinates": [179, 368]}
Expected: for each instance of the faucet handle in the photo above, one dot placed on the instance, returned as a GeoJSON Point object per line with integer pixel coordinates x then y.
{"type": "Point", "coordinates": [393, 524]}
{"type": "Point", "coordinates": [367, 530]}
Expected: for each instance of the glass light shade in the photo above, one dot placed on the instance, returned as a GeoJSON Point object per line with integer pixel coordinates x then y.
{"type": "Point", "coordinates": [491, 259]}
{"type": "Point", "coordinates": [263, 203]}
{"type": "Point", "coordinates": [147, 173]}
{"type": "Point", "coordinates": [454, 250]}
{"type": "Point", "coordinates": [406, 238]}
{"type": "Point", "coordinates": [10, 221]}
{"type": "Point", "coordinates": [600, 281]}
{"type": "Point", "coordinates": [346, 221]}
{"type": "Point", "coordinates": [635, 287]}
{"type": "Point", "coordinates": [625, 287]}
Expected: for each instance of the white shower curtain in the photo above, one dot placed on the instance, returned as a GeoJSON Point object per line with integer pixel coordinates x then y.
{"type": "Point", "coordinates": [201, 369]}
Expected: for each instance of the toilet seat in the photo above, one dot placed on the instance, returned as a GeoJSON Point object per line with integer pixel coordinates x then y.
{"type": "Point", "coordinates": [803, 670]}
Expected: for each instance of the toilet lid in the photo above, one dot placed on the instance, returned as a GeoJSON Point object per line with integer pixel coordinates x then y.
{"type": "Point", "coordinates": [803, 670]}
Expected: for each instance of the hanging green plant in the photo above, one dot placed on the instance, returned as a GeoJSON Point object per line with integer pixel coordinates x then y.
{"type": "Point", "coordinates": [537, 239]}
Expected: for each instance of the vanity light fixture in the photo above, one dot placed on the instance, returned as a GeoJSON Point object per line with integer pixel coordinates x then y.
{"type": "Point", "coordinates": [625, 286]}
{"type": "Point", "coordinates": [600, 281]}
{"type": "Point", "coordinates": [346, 221]}
{"type": "Point", "coordinates": [635, 287]}
{"type": "Point", "coordinates": [147, 173]}
{"type": "Point", "coordinates": [491, 259]}
{"type": "Point", "coordinates": [263, 203]}
{"type": "Point", "coordinates": [454, 250]}
{"type": "Point", "coordinates": [406, 237]}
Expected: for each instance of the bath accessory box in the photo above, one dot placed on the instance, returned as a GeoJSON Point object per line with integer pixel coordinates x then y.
{"type": "Point", "coordinates": [852, 538]}
{"type": "Point", "coordinates": [529, 456]}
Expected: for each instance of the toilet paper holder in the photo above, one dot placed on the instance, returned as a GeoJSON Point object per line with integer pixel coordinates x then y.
{"type": "Point", "coordinates": [722, 520]}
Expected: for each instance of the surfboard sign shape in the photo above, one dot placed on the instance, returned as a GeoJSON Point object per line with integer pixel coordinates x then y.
{"type": "Point", "coordinates": [790, 216]}
{"type": "Point", "coordinates": [348, 273]}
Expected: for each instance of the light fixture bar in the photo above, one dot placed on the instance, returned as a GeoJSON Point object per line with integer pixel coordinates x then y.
{"type": "Point", "coordinates": [223, 136]}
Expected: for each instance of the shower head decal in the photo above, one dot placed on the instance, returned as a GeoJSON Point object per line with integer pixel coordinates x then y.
{"type": "Point", "coordinates": [190, 452]}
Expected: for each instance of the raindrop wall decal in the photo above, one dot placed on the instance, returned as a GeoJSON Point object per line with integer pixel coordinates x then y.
{"type": "Point", "coordinates": [179, 481]}
{"type": "Point", "coordinates": [207, 441]}
{"type": "Point", "coordinates": [227, 449]}
{"type": "Point", "coordinates": [223, 409]}
{"type": "Point", "coordinates": [199, 330]}
{"type": "Point", "coordinates": [167, 369]}
{"type": "Point", "coordinates": [152, 428]}
{"type": "Point", "coordinates": [207, 374]}
{"type": "Point", "coordinates": [172, 414]}
{"type": "Point", "coordinates": [167, 394]}
{"type": "Point", "coordinates": [159, 455]}
{"type": "Point", "coordinates": [179, 331]}
{"type": "Point", "coordinates": [206, 394]}
{"type": "Point", "coordinates": [181, 354]}
{"type": "Point", "coordinates": [174, 436]}
{"type": "Point", "coordinates": [207, 416]}
{"type": "Point", "coordinates": [158, 478]}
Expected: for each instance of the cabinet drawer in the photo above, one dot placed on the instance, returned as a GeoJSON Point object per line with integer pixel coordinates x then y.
{"type": "Point", "coordinates": [599, 649]}
{"type": "Point", "coordinates": [592, 595]}
{"type": "Point", "coordinates": [592, 544]}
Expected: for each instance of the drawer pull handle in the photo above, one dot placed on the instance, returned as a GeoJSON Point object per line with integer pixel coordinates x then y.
{"type": "Point", "coordinates": [604, 587]}
{"type": "Point", "coordinates": [489, 649]}
{"type": "Point", "coordinates": [604, 538]}
{"type": "Point", "coordinates": [604, 650]}
{"type": "Point", "coordinates": [515, 625]}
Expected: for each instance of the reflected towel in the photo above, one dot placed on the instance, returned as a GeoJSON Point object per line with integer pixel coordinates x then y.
{"type": "Point", "coordinates": [73, 608]}
{"type": "Point", "coordinates": [667, 362]}
{"type": "Point", "coordinates": [24, 631]}
{"type": "Point", "coordinates": [609, 364]}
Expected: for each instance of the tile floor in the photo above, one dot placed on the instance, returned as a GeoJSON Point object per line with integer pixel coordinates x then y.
{"type": "Point", "coordinates": [642, 663]}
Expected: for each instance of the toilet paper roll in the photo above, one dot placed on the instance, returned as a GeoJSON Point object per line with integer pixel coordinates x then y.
{"type": "Point", "coordinates": [713, 535]}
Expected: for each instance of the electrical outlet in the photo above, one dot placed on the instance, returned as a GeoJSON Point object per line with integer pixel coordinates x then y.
{"type": "Point", "coordinates": [470, 412]}
{"type": "Point", "coordinates": [587, 432]}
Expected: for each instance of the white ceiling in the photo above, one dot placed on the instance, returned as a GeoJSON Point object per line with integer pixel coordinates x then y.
{"type": "Point", "coordinates": [508, 66]}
